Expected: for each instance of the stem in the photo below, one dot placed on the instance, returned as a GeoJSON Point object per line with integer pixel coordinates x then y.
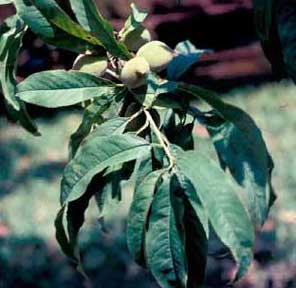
{"type": "Point", "coordinates": [131, 118]}
{"type": "Point", "coordinates": [163, 142]}
{"type": "Point", "coordinates": [112, 74]}
{"type": "Point", "coordinates": [146, 124]}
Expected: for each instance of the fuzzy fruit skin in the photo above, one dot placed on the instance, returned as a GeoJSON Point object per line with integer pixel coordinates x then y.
{"type": "Point", "coordinates": [135, 72]}
{"type": "Point", "coordinates": [157, 54]}
{"type": "Point", "coordinates": [92, 64]}
{"type": "Point", "coordinates": [137, 38]}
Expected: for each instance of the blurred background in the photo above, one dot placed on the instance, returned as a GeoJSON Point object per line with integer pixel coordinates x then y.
{"type": "Point", "coordinates": [31, 167]}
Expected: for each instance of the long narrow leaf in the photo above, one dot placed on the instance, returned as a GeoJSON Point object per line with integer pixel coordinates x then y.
{"type": "Point", "coordinates": [240, 144]}
{"type": "Point", "coordinates": [96, 155]}
{"type": "Point", "coordinates": [88, 16]}
{"type": "Point", "coordinates": [218, 196]}
{"type": "Point", "coordinates": [138, 214]}
{"type": "Point", "coordinates": [164, 246]}
{"type": "Point", "coordinates": [60, 88]}
{"type": "Point", "coordinates": [11, 35]}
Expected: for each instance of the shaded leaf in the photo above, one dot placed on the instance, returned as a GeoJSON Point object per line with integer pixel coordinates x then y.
{"type": "Point", "coordinates": [240, 145]}
{"type": "Point", "coordinates": [164, 246]}
{"type": "Point", "coordinates": [187, 55]}
{"type": "Point", "coordinates": [286, 19]}
{"type": "Point", "coordinates": [60, 88]}
{"type": "Point", "coordinates": [11, 35]}
{"type": "Point", "coordinates": [196, 247]}
{"type": "Point", "coordinates": [138, 214]}
{"type": "Point", "coordinates": [218, 196]}
{"type": "Point", "coordinates": [93, 116]}
{"type": "Point", "coordinates": [96, 155]}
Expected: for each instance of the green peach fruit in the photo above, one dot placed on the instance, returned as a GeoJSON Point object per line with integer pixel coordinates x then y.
{"type": "Point", "coordinates": [157, 54]}
{"type": "Point", "coordinates": [135, 72]}
{"type": "Point", "coordinates": [92, 64]}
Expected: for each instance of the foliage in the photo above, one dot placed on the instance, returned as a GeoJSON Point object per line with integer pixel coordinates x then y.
{"type": "Point", "coordinates": [179, 191]}
{"type": "Point", "coordinates": [275, 24]}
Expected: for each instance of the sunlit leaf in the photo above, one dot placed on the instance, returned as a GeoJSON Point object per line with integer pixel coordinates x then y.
{"type": "Point", "coordinates": [60, 88]}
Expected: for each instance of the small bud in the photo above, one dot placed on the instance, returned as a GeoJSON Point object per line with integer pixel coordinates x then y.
{"type": "Point", "coordinates": [157, 54]}
{"type": "Point", "coordinates": [135, 72]}
{"type": "Point", "coordinates": [92, 64]}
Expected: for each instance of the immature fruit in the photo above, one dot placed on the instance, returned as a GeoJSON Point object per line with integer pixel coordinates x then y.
{"type": "Point", "coordinates": [137, 38]}
{"type": "Point", "coordinates": [157, 54]}
{"type": "Point", "coordinates": [135, 72]}
{"type": "Point", "coordinates": [92, 64]}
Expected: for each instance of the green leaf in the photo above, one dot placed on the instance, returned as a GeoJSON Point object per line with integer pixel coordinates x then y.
{"type": "Point", "coordinates": [156, 86]}
{"type": "Point", "coordinates": [286, 19]}
{"type": "Point", "coordinates": [11, 35]}
{"type": "Point", "coordinates": [93, 116]}
{"type": "Point", "coordinates": [88, 16]}
{"type": "Point", "coordinates": [164, 245]}
{"type": "Point", "coordinates": [70, 219]}
{"type": "Point", "coordinates": [71, 216]}
{"type": "Point", "coordinates": [241, 146]}
{"type": "Point", "coordinates": [97, 154]}
{"type": "Point", "coordinates": [263, 15]}
{"type": "Point", "coordinates": [138, 214]}
{"type": "Point", "coordinates": [49, 32]}
{"type": "Point", "coordinates": [4, 2]}
{"type": "Point", "coordinates": [134, 21]}
{"type": "Point", "coordinates": [191, 194]}
{"type": "Point", "coordinates": [196, 247]}
{"type": "Point", "coordinates": [226, 213]}
{"type": "Point", "coordinates": [61, 88]}
{"type": "Point", "coordinates": [187, 55]}
{"type": "Point", "coordinates": [248, 162]}
{"type": "Point", "coordinates": [54, 14]}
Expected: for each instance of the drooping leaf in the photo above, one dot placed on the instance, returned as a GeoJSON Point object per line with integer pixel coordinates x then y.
{"type": "Point", "coordinates": [60, 88]}
{"type": "Point", "coordinates": [96, 155]}
{"type": "Point", "coordinates": [249, 164]}
{"type": "Point", "coordinates": [267, 15]}
{"type": "Point", "coordinates": [286, 19]}
{"type": "Point", "coordinates": [196, 247]}
{"type": "Point", "coordinates": [71, 216]}
{"type": "Point", "coordinates": [138, 215]}
{"type": "Point", "coordinates": [187, 55]}
{"type": "Point", "coordinates": [164, 247]}
{"type": "Point", "coordinates": [134, 21]}
{"type": "Point", "coordinates": [93, 116]}
{"type": "Point", "coordinates": [89, 17]}
{"type": "Point", "coordinates": [219, 197]}
{"type": "Point", "coordinates": [263, 15]}
{"type": "Point", "coordinates": [70, 219]}
{"type": "Point", "coordinates": [11, 35]}
{"type": "Point", "coordinates": [240, 144]}
{"type": "Point", "coordinates": [191, 196]}
{"type": "Point", "coordinates": [49, 32]}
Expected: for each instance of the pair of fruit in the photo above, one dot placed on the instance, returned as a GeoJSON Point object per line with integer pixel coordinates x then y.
{"type": "Point", "coordinates": [153, 56]}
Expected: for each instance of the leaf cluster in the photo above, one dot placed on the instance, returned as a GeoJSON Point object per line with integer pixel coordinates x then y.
{"type": "Point", "coordinates": [144, 133]}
